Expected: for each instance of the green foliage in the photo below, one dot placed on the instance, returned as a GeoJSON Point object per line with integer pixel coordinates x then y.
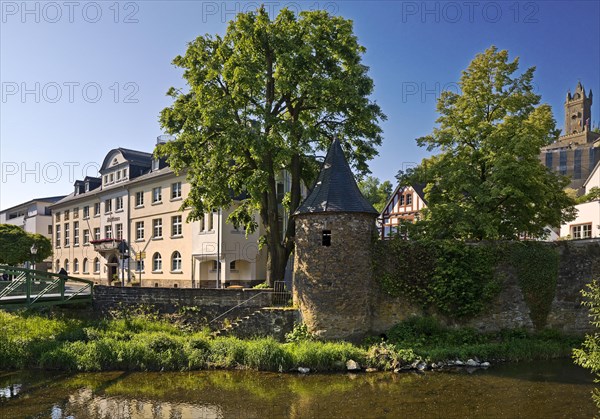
{"type": "Point", "coordinates": [459, 280]}
{"type": "Point", "coordinates": [487, 181]}
{"type": "Point", "coordinates": [267, 97]}
{"type": "Point", "coordinates": [15, 245]}
{"type": "Point", "coordinates": [588, 355]}
{"type": "Point", "coordinates": [452, 277]}
{"type": "Point", "coordinates": [262, 286]}
{"type": "Point", "coordinates": [428, 339]}
{"type": "Point", "coordinates": [592, 195]}
{"type": "Point", "coordinates": [386, 357]}
{"type": "Point", "coordinates": [376, 192]}
{"type": "Point", "coordinates": [536, 265]}
{"type": "Point", "coordinates": [299, 333]}
{"type": "Point", "coordinates": [325, 356]}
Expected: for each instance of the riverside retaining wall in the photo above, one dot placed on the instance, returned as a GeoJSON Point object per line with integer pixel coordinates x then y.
{"type": "Point", "coordinates": [579, 262]}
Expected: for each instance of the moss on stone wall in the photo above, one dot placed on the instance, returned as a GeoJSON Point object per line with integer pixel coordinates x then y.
{"type": "Point", "coordinates": [459, 280]}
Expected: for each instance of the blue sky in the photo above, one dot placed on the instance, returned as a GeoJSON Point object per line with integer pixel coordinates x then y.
{"type": "Point", "coordinates": [81, 78]}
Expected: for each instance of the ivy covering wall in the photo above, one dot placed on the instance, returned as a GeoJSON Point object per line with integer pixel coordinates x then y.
{"type": "Point", "coordinates": [460, 280]}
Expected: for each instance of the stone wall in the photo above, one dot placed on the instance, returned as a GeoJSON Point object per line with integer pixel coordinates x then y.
{"type": "Point", "coordinates": [332, 284]}
{"type": "Point", "coordinates": [271, 321]}
{"type": "Point", "coordinates": [211, 302]}
{"type": "Point", "coordinates": [579, 262]}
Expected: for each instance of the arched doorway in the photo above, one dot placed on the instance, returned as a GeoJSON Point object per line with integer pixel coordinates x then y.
{"type": "Point", "coordinates": [113, 268]}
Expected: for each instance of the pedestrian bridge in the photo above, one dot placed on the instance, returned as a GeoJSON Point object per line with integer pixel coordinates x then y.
{"type": "Point", "coordinates": [20, 287]}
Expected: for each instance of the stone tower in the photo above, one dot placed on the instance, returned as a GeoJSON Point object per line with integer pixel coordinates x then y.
{"type": "Point", "coordinates": [578, 111]}
{"type": "Point", "coordinates": [335, 226]}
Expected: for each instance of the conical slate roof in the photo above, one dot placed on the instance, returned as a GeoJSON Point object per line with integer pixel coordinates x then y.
{"type": "Point", "coordinates": [336, 189]}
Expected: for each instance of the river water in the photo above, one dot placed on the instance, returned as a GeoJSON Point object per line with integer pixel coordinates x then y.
{"type": "Point", "coordinates": [552, 389]}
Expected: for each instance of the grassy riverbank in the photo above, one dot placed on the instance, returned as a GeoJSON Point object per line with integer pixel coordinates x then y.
{"type": "Point", "coordinates": [50, 341]}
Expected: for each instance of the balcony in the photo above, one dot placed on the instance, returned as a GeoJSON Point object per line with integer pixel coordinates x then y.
{"type": "Point", "coordinates": [106, 245]}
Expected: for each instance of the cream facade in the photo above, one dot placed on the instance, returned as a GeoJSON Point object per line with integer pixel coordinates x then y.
{"type": "Point", "coordinates": [137, 202]}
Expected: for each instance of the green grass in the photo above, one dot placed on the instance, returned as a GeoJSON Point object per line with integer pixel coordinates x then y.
{"type": "Point", "coordinates": [430, 340]}
{"type": "Point", "coordinates": [146, 343]}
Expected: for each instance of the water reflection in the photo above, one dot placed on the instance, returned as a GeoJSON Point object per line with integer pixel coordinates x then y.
{"type": "Point", "coordinates": [549, 389]}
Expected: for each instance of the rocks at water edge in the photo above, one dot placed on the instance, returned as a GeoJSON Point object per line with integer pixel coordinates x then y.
{"type": "Point", "coordinates": [303, 370]}
{"type": "Point", "coordinates": [352, 366]}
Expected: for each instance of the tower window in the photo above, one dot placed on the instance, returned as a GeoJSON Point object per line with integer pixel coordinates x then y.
{"type": "Point", "coordinates": [327, 238]}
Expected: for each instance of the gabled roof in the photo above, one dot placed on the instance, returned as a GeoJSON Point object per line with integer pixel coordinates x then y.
{"type": "Point", "coordinates": [419, 189]}
{"type": "Point", "coordinates": [591, 174]}
{"type": "Point", "coordinates": [335, 189]}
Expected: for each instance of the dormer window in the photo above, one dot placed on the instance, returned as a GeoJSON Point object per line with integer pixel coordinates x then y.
{"type": "Point", "coordinates": [87, 186]}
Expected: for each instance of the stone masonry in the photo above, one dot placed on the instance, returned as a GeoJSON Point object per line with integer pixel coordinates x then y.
{"type": "Point", "coordinates": [332, 283]}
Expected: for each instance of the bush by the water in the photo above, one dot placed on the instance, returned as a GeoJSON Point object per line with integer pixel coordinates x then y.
{"type": "Point", "coordinates": [431, 340]}
{"type": "Point", "coordinates": [147, 343]}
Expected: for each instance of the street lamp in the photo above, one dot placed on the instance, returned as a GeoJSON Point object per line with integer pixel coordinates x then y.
{"type": "Point", "coordinates": [33, 250]}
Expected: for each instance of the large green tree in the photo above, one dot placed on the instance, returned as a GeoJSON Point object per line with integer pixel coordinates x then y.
{"type": "Point", "coordinates": [487, 181]}
{"type": "Point", "coordinates": [265, 98]}
{"type": "Point", "coordinates": [15, 245]}
{"type": "Point", "coordinates": [375, 191]}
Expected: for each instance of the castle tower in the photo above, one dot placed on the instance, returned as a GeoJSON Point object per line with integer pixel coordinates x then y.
{"type": "Point", "coordinates": [335, 226]}
{"type": "Point", "coordinates": [578, 111]}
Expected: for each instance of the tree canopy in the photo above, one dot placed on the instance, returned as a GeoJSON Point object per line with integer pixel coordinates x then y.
{"type": "Point", "coordinates": [375, 191]}
{"type": "Point", "coordinates": [15, 245]}
{"type": "Point", "coordinates": [487, 181]}
{"type": "Point", "coordinates": [263, 99]}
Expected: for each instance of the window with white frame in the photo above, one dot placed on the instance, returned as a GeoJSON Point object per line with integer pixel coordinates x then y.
{"type": "Point", "coordinates": [176, 226]}
{"type": "Point", "coordinates": [139, 266]}
{"type": "Point", "coordinates": [176, 261]}
{"type": "Point", "coordinates": [76, 233]}
{"type": "Point", "coordinates": [97, 208]}
{"type": "Point", "coordinates": [581, 231]}
{"type": "Point", "coordinates": [157, 228]}
{"type": "Point", "coordinates": [119, 203]}
{"type": "Point", "coordinates": [66, 265]}
{"type": "Point", "coordinates": [108, 232]}
{"type": "Point", "coordinates": [139, 199]}
{"type": "Point", "coordinates": [157, 195]}
{"type": "Point", "coordinates": [66, 215]}
{"type": "Point", "coordinates": [119, 231]}
{"type": "Point", "coordinates": [57, 235]}
{"type": "Point", "coordinates": [75, 212]}
{"type": "Point", "coordinates": [139, 230]}
{"type": "Point", "coordinates": [96, 265]}
{"type": "Point", "coordinates": [97, 233]}
{"type": "Point", "coordinates": [86, 236]}
{"type": "Point", "coordinates": [156, 262]}
{"type": "Point", "coordinates": [76, 265]}
{"type": "Point", "coordinates": [176, 190]}
{"type": "Point", "coordinates": [67, 235]}
{"type": "Point", "coordinates": [86, 211]}
{"type": "Point", "coordinates": [108, 205]}
{"type": "Point", "coordinates": [85, 266]}
{"type": "Point", "coordinates": [57, 216]}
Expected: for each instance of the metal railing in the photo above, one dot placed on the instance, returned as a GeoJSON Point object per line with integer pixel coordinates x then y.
{"type": "Point", "coordinates": [280, 297]}
{"type": "Point", "coordinates": [20, 287]}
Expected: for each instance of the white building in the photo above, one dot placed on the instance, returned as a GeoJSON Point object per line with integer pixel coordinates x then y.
{"type": "Point", "coordinates": [587, 223]}
{"type": "Point", "coordinates": [34, 217]}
